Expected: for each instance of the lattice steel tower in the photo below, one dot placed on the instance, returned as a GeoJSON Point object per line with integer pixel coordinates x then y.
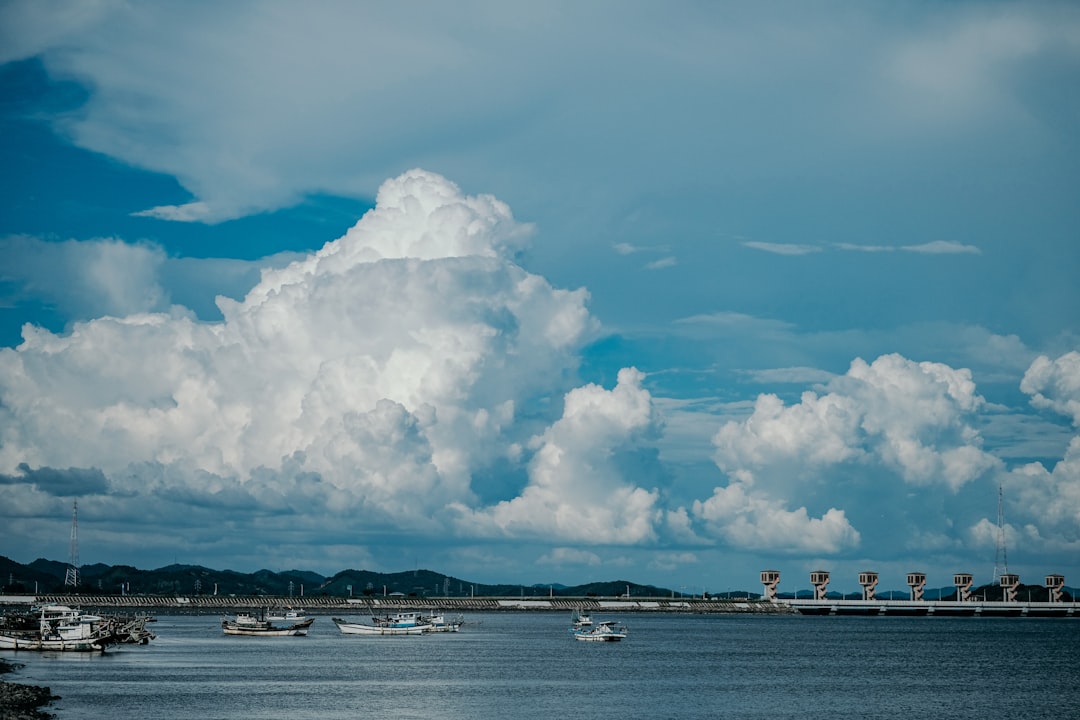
{"type": "Point", "coordinates": [1001, 558]}
{"type": "Point", "coordinates": [71, 577]}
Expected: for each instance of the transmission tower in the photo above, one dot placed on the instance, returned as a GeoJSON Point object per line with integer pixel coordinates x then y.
{"type": "Point", "coordinates": [71, 577]}
{"type": "Point", "coordinates": [1001, 558]}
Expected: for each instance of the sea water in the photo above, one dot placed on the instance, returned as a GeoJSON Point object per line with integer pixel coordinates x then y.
{"type": "Point", "coordinates": [527, 665]}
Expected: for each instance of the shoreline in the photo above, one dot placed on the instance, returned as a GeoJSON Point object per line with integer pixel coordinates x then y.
{"type": "Point", "coordinates": [20, 701]}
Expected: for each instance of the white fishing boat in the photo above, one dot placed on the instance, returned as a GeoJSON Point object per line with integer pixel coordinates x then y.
{"type": "Point", "coordinates": [580, 620]}
{"type": "Point", "coordinates": [58, 627]}
{"type": "Point", "coordinates": [606, 631]}
{"type": "Point", "coordinates": [440, 623]}
{"type": "Point", "coordinates": [377, 628]}
{"type": "Point", "coordinates": [259, 626]}
{"type": "Point", "coordinates": [287, 615]}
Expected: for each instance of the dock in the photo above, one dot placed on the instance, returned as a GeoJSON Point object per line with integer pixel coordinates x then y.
{"type": "Point", "coordinates": [964, 603]}
{"type": "Point", "coordinates": [935, 608]}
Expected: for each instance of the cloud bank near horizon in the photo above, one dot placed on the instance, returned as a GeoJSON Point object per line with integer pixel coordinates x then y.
{"type": "Point", "coordinates": [409, 377]}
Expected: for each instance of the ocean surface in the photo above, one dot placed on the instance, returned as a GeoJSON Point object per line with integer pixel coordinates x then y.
{"type": "Point", "coordinates": [526, 665]}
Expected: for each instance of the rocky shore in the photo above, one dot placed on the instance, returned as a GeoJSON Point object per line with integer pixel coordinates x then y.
{"type": "Point", "coordinates": [22, 702]}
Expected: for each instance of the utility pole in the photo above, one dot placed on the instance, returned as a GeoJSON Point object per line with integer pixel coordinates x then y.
{"type": "Point", "coordinates": [71, 576]}
{"type": "Point", "coordinates": [1001, 559]}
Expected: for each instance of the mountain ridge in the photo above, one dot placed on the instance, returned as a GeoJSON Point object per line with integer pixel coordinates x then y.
{"type": "Point", "coordinates": [43, 576]}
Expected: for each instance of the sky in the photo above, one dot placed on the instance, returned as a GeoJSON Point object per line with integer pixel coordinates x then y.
{"type": "Point", "coordinates": [543, 292]}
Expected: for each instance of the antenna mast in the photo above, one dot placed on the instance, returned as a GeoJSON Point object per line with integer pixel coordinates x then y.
{"type": "Point", "coordinates": [1001, 559]}
{"type": "Point", "coordinates": [71, 577]}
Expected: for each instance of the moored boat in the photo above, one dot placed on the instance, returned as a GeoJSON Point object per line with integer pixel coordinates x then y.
{"type": "Point", "coordinates": [606, 631]}
{"type": "Point", "coordinates": [351, 628]}
{"type": "Point", "coordinates": [59, 627]}
{"type": "Point", "coordinates": [287, 615]}
{"type": "Point", "coordinates": [440, 623]}
{"type": "Point", "coordinates": [259, 626]}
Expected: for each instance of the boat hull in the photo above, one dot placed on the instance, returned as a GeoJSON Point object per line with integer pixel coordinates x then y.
{"type": "Point", "coordinates": [348, 628]}
{"type": "Point", "coordinates": [62, 628]}
{"type": "Point", "coordinates": [607, 631]}
{"type": "Point", "coordinates": [8, 642]}
{"type": "Point", "coordinates": [263, 628]}
{"type": "Point", "coordinates": [264, 632]}
{"type": "Point", "coordinates": [605, 637]}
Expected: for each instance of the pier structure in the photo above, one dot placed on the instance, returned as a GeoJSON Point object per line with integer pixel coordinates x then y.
{"type": "Point", "coordinates": [917, 582]}
{"type": "Point", "coordinates": [1009, 583]}
{"type": "Point", "coordinates": [1054, 584]}
{"type": "Point", "coordinates": [770, 579]}
{"type": "Point", "coordinates": [963, 583]}
{"type": "Point", "coordinates": [965, 603]}
{"type": "Point", "coordinates": [869, 581]}
{"type": "Point", "coordinates": [820, 580]}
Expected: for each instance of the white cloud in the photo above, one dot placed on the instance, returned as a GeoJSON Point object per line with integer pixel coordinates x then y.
{"type": "Point", "coordinates": [662, 263]}
{"type": "Point", "coordinates": [373, 377]}
{"type": "Point", "coordinates": [415, 351]}
{"type": "Point", "coordinates": [819, 430]}
{"type": "Point", "coordinates": [943, 247]}
{"type": "Point", "coordinates": [625, 248]}
{"type": "Point", "coordinates": [712, 323]}
{"type": "Point", "coordinates": [956, 68]}
{"type": "Point", "coordinates": [86, 279]}
{"type": "Point", "coordinates": [937, 247]}
{"type": "Point", "coordinates": [29, 28]}
{"type": "Point", "coordinates": [800, 375]}
{"type": "Point", "coordinates": [576, 490]}
{"type": "Point", "coordinates": [782, 248]}
{"type": "Point", "coordinates": [188, 212]}
{"type": "Point", "coordinates": [253, 105]}
{"type": "Point", "coordinates": [890, 418]}
{"type": "Point", "coordinates": [1049, 500]}
{"type": "Point", "coordinates": [1055, 384]}
{"type": "Point", "coordinates": [562, 556]}
{"type": "Point", "coordinates": [747, 519]}
{"type": "Point", "coordinates": [672, 561]}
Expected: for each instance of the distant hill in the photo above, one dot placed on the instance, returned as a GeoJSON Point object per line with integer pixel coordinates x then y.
{"type": "Point", "coordinates": [47, 577]}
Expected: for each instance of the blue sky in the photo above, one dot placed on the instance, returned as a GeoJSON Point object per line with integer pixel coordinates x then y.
{"type": "Point", "coordinates": [543, 294]}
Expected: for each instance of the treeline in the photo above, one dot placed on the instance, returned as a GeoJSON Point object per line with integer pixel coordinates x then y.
{"type": "Point", "coordinates": [48, 577]}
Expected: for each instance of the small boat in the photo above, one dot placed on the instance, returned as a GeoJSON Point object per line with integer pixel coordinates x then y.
{"type": "Point", "coordinates": [287, 615]}
{"type": "Point", "coordinates": [378, 627]}
{"type": "Point", "coordinates": [439, 623]}
{"type": "Point", "coordinates": [580, 620]}
{"type": "Point", "coordinates": [259, 626]}
{"type": "Point", "coordinates": [59, 627]}
{"type": "Point", "coordinates": [606, 631]}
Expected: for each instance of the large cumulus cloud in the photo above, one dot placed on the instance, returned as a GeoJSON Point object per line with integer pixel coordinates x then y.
{"type": "Point", "coordinates": [913, 417]}
{"type": "Point", "coordinates": [1055, 384]}
{"type": "Point", "coordinates": [576, 489]}
{"type": "Point", "coordinates": [892, 438]}
{"type": "Point", "coordinates": [376, 375]}
{"type": "Point", "coordinates": [1047, 499]}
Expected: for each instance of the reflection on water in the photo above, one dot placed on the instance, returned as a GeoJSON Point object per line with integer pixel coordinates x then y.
{"type": "Point", "coordinates": [526, 664]}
